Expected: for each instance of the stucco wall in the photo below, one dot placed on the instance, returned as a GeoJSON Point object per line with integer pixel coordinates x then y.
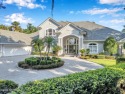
{"type": "Point", "coordinates": [69, 30]}
{"type": "Point", "coordinates": [46, 25]}
{"type": "Point", "coordinates": [99, 43]}
{"type": "Point", "coordinates": [11, 50]}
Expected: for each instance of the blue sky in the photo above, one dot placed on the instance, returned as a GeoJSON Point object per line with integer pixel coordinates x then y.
{"type": "Point", "coordinates": [109, 13]}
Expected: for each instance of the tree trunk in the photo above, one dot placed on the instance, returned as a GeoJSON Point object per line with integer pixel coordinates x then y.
{"type": "Point", "coordinates": [40, 52]}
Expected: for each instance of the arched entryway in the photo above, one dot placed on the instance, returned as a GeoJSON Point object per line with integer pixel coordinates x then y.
{"type": "Point", "coordinates": [71, 45]}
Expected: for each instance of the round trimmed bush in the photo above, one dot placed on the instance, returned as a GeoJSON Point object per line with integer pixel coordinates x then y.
{"type": "Point", "coordinates": [41, 63]}
{"type": "Point", "coordinates": [7, 86]}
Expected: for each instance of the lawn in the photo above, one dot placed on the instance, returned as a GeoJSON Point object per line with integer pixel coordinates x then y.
{"type": "Point", "coordinates": [104, 62]}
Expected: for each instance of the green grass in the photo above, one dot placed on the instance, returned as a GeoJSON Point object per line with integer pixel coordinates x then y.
{"type": "Point", "coordinates": [104, 62]}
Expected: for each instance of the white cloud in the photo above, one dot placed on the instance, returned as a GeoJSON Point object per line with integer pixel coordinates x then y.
{"type": "Point", "coordinates": [95, 11]}
{"type": "Point", "coordinates": [116, 2]}
{"type": "Point", "coordinates": [71, 12]}
{"type": "Point", "coordinates": [25, 3]}
{"type": "Point", "coordinates": [113, 21]}
{"type": "Point", "coordinates": [117, 21]}
{"type": "Point", "coordinates": [19, 17]}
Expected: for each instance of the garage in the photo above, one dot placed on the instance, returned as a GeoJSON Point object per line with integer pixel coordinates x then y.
{"type": "Point", "coordinates": [15, 43]}
{"type": "Point", "coordinates": [15, 49]}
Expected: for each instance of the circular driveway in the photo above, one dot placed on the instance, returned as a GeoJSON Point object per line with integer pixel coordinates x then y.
{"type": "Point", "coordinates": [10, 71]}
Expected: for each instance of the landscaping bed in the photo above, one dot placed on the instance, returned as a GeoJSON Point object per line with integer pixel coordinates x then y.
{"type": "Point", "coordinates": [7, 86]}
{"type": "Point", "coordinates": [100, 81]}
{"type": "Point", "coordinates": [41, 63]}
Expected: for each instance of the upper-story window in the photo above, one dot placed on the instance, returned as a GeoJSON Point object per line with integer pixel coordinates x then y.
{"type": "Point", "coordinates": [50, 32]}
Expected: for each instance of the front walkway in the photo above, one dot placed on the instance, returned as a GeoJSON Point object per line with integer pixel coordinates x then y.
{"type": "Point", "coordinates": [10, 71]}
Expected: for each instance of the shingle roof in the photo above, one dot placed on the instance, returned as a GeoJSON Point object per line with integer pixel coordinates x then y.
{"type": "Point", "coordinates": [11, 37]}
{"type": "Point", "coordinates": [95, 31]}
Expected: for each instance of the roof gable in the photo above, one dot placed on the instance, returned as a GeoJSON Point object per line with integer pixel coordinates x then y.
{"type": "Point", "coordinates": [73, 26]}
{"type": "Point", "coordinates": [51, 20]}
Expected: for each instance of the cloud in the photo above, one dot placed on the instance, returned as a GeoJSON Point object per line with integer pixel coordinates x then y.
{"type": "Point", "coordinates": [96, 11]}
{"type": "Point", "coordinates": [116, 2]}
{"type": "Point", "coordinates": [117, 21]}
{"type": "Point", "coordinates": [19, 17]}
{"type": "Point", "coordinates": [71, 12]}
{"type": "Point", "coordinates": [113, 21]}
{"type": "Point", "coordinates": [25, 3]}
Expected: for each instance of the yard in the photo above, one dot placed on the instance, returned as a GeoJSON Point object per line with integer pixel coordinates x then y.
{"type": "Point", "coordinates": [104, 62]}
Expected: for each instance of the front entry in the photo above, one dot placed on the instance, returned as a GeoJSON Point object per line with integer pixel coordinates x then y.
{"type": "Point", "coordinates": [71, 46]}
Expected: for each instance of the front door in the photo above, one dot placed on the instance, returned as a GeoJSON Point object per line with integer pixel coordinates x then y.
{"type": "Point", "coordinates": [71, 49]}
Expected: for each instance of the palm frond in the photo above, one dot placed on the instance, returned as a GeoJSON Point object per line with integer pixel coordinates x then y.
{"type": "Point", "coordinates": [52, 8]}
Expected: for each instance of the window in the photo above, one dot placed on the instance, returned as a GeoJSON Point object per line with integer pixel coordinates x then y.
{"type": "Point", "coordinates": [50, 32]}
{"type": "Point", "coordinates": [93, 48]}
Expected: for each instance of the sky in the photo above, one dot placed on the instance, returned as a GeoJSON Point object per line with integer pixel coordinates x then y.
{"type": "Point", "coordinates": [109, 13]}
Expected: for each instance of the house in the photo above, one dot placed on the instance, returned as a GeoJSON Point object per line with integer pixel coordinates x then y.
{"type": "Point", "coordinates": [71, 36]}
{"type": "Point", "coordinates": [15, 43]}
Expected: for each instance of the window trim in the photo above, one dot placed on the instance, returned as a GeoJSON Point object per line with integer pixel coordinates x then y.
{"type": "Point", "coordinates": [47, 34]}
{"type": "Point", "coordinates": [96, 46]}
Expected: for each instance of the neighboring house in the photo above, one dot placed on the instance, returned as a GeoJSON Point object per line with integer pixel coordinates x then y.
{"type": "Point", "coordinates": [71, 36]}
{"type": "Point", "coordinates": [15, 43]}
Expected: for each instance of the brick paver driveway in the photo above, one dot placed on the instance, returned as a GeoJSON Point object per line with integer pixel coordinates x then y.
{"type": "Point", "coordinates": [10, 71]}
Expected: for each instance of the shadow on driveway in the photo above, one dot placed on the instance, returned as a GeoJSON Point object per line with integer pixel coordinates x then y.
{"type": "Point", "coordinates": [10, 71]}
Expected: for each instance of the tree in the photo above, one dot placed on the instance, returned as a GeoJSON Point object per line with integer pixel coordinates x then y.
{"type": "Point", "coordinates": [49, 42]}
{"type": "Point", "coordinates": [110, 45]}
{"type": "Point", "coordinates": [56, 49]}
{"type": "Point", "coordinates": [16, 26]}
{"type": "Point", "coordinates": [38, 43]}
{"type": "Point", "coordinates": [30, 29]}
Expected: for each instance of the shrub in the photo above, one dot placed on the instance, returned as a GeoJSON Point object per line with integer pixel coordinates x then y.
{"type": "Point", "coordinates": [101, 81]}
{"type": "Point", "coordinates": [40, 63]}
{"type": "Point", "coordinates": [109, 57]}
{"type": "Point", "coordinates": [93, 56]}
{"type": "Point", "coordinates": [82, 51]}
{"type": "Point", "coordinates": [87, 51]}
{"type": "Point", "coordinates": [120, 60]}
{"type": "Point", "coordinates": [49, 66]}
{"type": "Point", "coordinates": [101, 56]}
{"type": "Point", "coordinates": [7, 86]}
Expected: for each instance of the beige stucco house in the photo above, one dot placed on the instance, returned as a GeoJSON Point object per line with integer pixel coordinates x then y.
{"type": "Point", "coordinates": [71, 36]}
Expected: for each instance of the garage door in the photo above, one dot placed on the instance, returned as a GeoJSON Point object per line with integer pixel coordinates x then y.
{"type": "Point", "coordinates": [12, 50]}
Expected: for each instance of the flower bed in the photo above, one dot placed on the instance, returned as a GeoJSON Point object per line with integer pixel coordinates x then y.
{"type": "Point", "coordinates": [7, 86]}
{"type": "Point", "coordinates": [41, 63]}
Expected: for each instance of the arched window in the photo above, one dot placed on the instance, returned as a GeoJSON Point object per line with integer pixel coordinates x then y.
{"type": "Point", "coordinates": [50, 32]}
{"type": "Point", "coordinates": [93, 48]}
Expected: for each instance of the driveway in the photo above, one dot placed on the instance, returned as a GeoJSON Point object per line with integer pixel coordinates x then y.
{"type": "Point", "coordinates": [10, 71]}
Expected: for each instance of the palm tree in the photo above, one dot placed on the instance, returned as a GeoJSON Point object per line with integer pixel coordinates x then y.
{"type": "Point", "coordinates": [56, 49]}
{"type": "Point", "coordinates": [49, 42]}
{"type": "Point", "coordinates": [39, 44]}
{"type": "Point", "coordinates": [52, 8]}
{"type": "Point", "coordinates": [1, 5]}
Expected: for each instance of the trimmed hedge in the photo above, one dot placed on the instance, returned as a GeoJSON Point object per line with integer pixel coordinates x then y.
{"type": "Point", "coordinates": [109, 57]}
{"type": "Point", "coordinates": [120, 60]}
{"type": "Point", "coordinates": [101, 81]}
{"type": "Point", "coordinates": [100, 56]}
{"type": "Point", "coordinates": [7, 86]}
{"type": "Point", "coordinates": [97, 57]}
{"type": "Point", "coordinates": [41, 63]}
